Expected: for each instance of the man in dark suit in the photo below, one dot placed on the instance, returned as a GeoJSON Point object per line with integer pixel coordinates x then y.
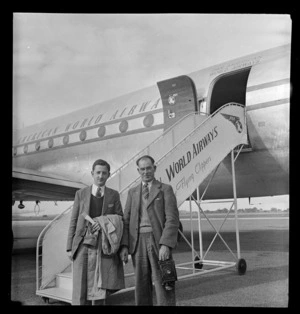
{"type": "Point", "coordinates": [95, 200]}
{"type": "Point", "coordinates": [151, 221]}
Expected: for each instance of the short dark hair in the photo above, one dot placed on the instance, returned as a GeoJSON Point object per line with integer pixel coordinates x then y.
{"type": "Point", "coordinates": [101, 162]}
{"type": "Point", "coordinates": [145, 157]}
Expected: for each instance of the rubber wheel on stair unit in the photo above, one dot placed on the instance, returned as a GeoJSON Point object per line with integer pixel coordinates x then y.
{"type": "Point", "coordinates": [241, 266]}
{"type": "Point", "coordinates": [198, 265]}
{"type": "Point", "coordinates": [46, 300]}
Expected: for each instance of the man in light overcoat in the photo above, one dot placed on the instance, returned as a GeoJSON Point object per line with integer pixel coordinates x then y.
{"type": "Point", "coordinates": [95, 200]}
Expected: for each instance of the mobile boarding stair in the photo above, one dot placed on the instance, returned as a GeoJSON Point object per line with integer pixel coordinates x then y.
{"type": "Point", "coordinates": [186, 154]}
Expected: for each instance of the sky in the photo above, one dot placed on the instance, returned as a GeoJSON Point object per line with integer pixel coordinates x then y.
{"type": "Point", "coordinates": [66, 62]}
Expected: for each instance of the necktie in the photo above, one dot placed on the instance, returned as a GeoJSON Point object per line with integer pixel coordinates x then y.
{"type": "Point", "coordinates": [98, 193]}
{"type": "Point", "coordinates": [145, 191]}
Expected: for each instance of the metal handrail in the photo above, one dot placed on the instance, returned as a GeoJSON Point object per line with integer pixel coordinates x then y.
{"type": "Point", "coordinates": [39, 244]}
{"type": "Point", "coordinates": [200, 125]}
{"type": "Point", "coordinates": [185, 139]}
{"type": "Point", "coordinates": [169, 129]}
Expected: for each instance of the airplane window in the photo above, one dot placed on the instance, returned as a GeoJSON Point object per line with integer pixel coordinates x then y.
{"type": "Point", "coordinates": [82, 135]}
{"type": "Point", "coordinates": [123, 126]}
{"type": "Point", "coordinates": [148, 120]}
{"type": "Point", "coordinates": [37, 146]}
{"type": "Point", "coordinates": [66, 139]}
{"type": "Point", "coordinates": [50, 143]}
{"type": "Point", "coordinates": [101, 131]}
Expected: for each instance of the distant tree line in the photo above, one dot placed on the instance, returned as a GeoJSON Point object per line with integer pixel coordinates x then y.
{"type": "Point", "coordinates": [248, 210]}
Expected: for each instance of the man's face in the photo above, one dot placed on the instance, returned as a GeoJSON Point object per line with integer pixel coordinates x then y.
{"type": "Point", "coordinates": [100, 174]}
{"type": "Point", "coordinates": [146, 170]}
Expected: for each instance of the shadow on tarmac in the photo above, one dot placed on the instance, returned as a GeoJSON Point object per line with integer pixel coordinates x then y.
{"type": "Point", "coordinates": [267, 252]}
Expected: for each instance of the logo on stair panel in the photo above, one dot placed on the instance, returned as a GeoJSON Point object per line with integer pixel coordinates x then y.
{"type": "Point", "coordinates": [235, 120]}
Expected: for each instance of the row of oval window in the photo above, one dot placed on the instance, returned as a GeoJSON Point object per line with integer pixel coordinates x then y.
{"type": "Point", "coordinates": [123, 127]}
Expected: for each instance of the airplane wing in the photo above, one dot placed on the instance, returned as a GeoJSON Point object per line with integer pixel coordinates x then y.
{"type": "Point", "coordinates": [32, 185]}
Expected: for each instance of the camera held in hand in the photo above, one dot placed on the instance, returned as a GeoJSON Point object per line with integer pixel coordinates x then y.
{"type": "Point", "coordinates": [168, 273]}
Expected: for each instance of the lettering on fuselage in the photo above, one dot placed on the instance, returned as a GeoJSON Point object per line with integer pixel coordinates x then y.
{"type": "Point", "coordinates": [90, 121]}
{"type": "Point", "coordinates": [177, 166]}
{"type": "Point", "coordinates": [232, 66]}
{"type": "Point", "coordinates": [38, 135]}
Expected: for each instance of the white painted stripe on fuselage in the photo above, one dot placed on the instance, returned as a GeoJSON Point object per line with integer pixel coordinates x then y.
{"type": "Point", "coordinates": [268, 94]}
{"type": "Point", "coordinates": [268, 84]}
{"type": "Point", "coordinates": [277, 102]}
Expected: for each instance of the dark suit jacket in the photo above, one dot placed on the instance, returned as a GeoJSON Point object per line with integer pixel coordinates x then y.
{"type": "Point", "coordinates": [163, 214]}
{"type": "Point", "coordinates": [112, 266]}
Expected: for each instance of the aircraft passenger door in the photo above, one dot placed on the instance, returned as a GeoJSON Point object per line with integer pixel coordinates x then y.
{"type": "Point", "coordinates": [230, 87]}
{"type": "Point", "coordinates": [178, 97]}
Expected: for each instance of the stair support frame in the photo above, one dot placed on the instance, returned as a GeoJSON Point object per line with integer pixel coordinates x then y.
{"type": "Point", "coordinates": [219, 265]}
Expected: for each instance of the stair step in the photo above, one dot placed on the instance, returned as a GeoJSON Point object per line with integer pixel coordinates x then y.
{"type": "Point", "coordinates": [56, 293]}
{"type": "Point", "coordinates": [65, 274]}
{"type": "Point", "coordinates": [64, 281]}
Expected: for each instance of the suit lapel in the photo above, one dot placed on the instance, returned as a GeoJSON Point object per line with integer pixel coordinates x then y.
{"type": "Point", "coordinates": [137, 198]}
{"type": "Point", "coordinates": [87, 199]}
{"type": "Point", "coordinates": [155, 188]}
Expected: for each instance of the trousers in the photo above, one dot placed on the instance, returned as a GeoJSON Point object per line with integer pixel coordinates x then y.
{"type": "Point", "coordinates": [146, 268]}
{"type": "Point", "coordinates": [80, 278]}
{"type": "Point", "coordinates": [79, 293]}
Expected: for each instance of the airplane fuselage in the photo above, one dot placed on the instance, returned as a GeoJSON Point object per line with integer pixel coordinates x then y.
{"type": "Point", "coordinates": [117, 129]}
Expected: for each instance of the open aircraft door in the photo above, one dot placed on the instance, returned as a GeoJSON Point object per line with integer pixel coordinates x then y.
{"type": "Point", "coordinates": [178, 97]}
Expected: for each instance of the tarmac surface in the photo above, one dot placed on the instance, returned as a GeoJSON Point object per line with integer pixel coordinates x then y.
{"type": "Point", "coordinates": [264, 245]}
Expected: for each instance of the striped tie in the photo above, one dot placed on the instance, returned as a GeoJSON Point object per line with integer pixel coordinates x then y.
{"type": "Point", "coordinates": [98, 193]}
{"type": "Point", "coordinates": [145, 191]}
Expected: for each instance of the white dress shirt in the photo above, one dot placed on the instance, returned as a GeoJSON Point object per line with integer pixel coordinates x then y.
{"type": "Point", "coordinates": [95, 188]}
{"type": "Point", "coordinates": [149, 184]}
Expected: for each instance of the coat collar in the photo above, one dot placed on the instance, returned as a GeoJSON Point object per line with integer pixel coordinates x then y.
{"type": "Point", "coordinates": [86, 199]}
{"type": "Point", "coordinates": [107, 194]}
{"type": "Point", "coordinates": [155, 189]}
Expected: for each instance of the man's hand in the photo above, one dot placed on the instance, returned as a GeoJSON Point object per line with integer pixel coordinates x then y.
{"type": "Point", "coordinates": [124, 254]}
{"type": "Point", "coordinates": [70, 255]}
{"type": "Point", "coordinates": [164, 253]}
{"type": "Point", "coordinates": [95, 226]}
